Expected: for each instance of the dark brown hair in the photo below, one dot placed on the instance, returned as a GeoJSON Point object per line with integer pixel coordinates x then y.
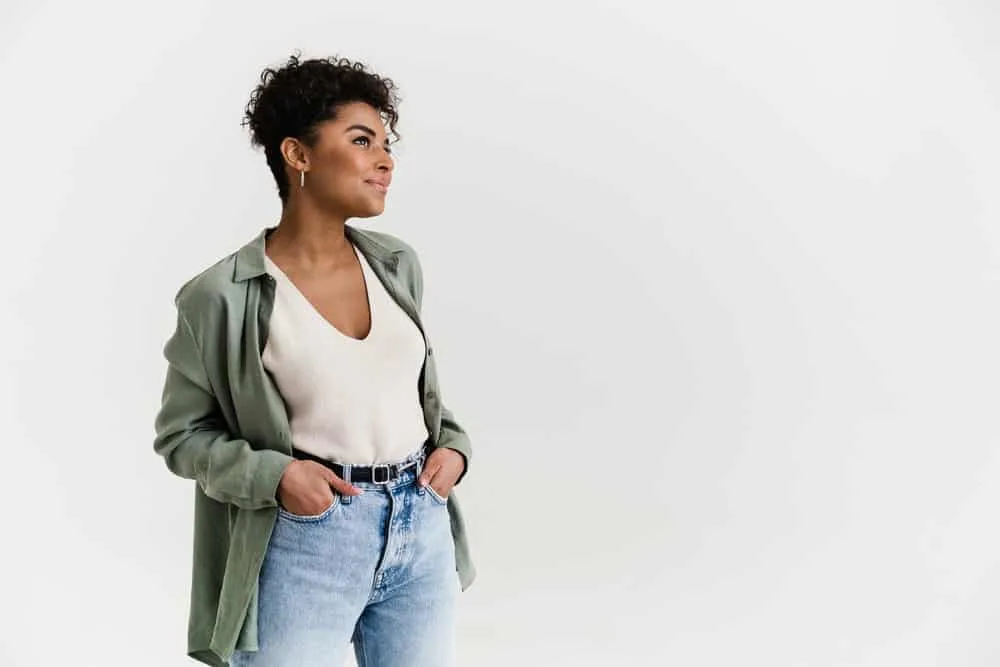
{"type": "Point", "coordinates": [291, 101]}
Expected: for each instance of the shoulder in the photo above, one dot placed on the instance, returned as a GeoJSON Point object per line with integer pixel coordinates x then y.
{"type": "Point", "coordinates": [409, 258]}
{"type": "Point", "coordinates": [392, 243]}
{"type": "Point", "coordinates": [409, 268]}
{"type": "Point", "coordinates": [211, 290]}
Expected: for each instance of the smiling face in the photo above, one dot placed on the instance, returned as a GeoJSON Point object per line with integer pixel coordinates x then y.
{"type": "Point", "coordinates": [348, 168]}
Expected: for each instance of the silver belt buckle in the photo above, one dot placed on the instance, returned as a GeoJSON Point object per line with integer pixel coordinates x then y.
{"type": "Point", "coordinates": [376, 468]}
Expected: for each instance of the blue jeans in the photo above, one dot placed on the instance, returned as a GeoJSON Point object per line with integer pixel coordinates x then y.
{"type": "Point", "coordinates": [376, 569]}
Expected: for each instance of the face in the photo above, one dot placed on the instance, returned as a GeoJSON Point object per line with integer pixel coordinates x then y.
{"type": "Point", "coordinates": [350, 152]}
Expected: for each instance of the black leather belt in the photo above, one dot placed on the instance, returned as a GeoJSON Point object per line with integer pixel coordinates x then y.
{"type": "Point", "coordinates": [382, 473]}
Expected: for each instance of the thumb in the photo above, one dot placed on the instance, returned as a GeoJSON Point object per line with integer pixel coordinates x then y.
{"type": "Point", "coordinates": [339, 484]}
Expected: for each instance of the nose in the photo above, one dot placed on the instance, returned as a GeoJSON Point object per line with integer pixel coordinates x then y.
{"type": "Point", "coordinates": [387, 161]}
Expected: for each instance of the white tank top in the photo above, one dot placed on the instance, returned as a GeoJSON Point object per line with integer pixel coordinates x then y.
{"type": "Point", "coordinates": [349, 400]}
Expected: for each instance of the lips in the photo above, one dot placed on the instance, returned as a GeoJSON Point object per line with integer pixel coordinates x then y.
{"type": "Point", "coordinates": [381, 186]}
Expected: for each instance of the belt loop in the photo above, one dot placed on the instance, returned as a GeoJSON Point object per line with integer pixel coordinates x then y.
{"type": "Point", "coordinates": [418, 469]}
{"type": "Point", "coordinates": [344, 498]}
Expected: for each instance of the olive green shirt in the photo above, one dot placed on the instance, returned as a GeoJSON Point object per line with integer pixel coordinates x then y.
{"type": "Point", "coordinates": [223, 423]}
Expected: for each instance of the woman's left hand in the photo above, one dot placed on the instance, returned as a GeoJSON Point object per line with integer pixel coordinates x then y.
{"type": "Point", "coordinates": [443, 467]}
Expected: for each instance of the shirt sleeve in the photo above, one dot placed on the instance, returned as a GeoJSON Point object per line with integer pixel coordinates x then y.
{"type": "Point", "coordinates": [192, 437]}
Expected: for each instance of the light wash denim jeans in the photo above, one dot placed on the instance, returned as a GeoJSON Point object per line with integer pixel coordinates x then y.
{"type": "Point", "coordinates": [376, 569]}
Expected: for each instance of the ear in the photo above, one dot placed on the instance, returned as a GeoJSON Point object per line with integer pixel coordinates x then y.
{"type": "Point", "coordinates": [295, 154]}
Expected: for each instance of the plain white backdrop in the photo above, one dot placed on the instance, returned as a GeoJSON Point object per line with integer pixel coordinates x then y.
{"type": "Point", "coordinates": [713, 286]}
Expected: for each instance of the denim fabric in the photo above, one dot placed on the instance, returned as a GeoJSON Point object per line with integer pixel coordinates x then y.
{"type": "Point", "coordinates": [376, 569]}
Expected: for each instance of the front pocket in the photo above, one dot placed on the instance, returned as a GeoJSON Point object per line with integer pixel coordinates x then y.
{"type": "Point", "coordinates": [282, 512]}
{"type": "Point", "coordinates": [435, 496]}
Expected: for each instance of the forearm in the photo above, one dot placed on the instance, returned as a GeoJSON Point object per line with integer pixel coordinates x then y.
{"type": "Point", "coordinates": [227, 469]}
{"type": "Point", "coordinates": [195, 441]}
{"type": "Point", "coordinates": [453, 436]}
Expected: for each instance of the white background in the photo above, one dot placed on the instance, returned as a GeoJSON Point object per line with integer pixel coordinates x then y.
{"type": "Point", "coordinates": [713, 285]}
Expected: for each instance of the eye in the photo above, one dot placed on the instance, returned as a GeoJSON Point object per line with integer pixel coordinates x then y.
{"type": "Point", "coordinates": [366, 139]}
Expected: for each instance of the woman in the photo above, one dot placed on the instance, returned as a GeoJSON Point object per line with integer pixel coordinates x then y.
{"type": "Point", "coordinates": [302, 395]}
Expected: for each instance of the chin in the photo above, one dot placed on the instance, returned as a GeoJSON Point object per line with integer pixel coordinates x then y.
{"type": "Point", "coordinates": [371, 213]}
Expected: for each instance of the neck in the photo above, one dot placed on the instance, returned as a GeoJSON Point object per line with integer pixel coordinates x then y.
{"type": "Point", "coordinates": [309, 237]}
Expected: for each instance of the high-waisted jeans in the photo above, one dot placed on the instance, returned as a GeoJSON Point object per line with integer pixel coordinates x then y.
{"type": "Point", "coordinates": [376, 569]}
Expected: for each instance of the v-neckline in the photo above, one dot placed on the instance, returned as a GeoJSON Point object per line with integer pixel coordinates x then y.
{"type": "Point", "coordinates": [271, 264]}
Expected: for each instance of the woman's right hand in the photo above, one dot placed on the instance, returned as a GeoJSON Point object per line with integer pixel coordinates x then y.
{"type": "Point", "coordinates": [305, 488]}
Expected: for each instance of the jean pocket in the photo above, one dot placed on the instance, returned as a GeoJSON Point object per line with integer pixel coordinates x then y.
{"type": "Point", "coordinates": [435, 496]}
{"type": "Point", "coordinates": [313, 518]}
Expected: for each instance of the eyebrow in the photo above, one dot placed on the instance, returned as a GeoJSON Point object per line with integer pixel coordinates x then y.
{"type": "Point", "coordinates": [365, 129]}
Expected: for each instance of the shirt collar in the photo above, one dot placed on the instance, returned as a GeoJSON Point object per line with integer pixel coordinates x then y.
{"type": "Point", "coordinates": [250, 258]}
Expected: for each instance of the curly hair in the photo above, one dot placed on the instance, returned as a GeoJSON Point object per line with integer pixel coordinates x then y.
{"type": "Point", "coordinates": [293, 99]}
